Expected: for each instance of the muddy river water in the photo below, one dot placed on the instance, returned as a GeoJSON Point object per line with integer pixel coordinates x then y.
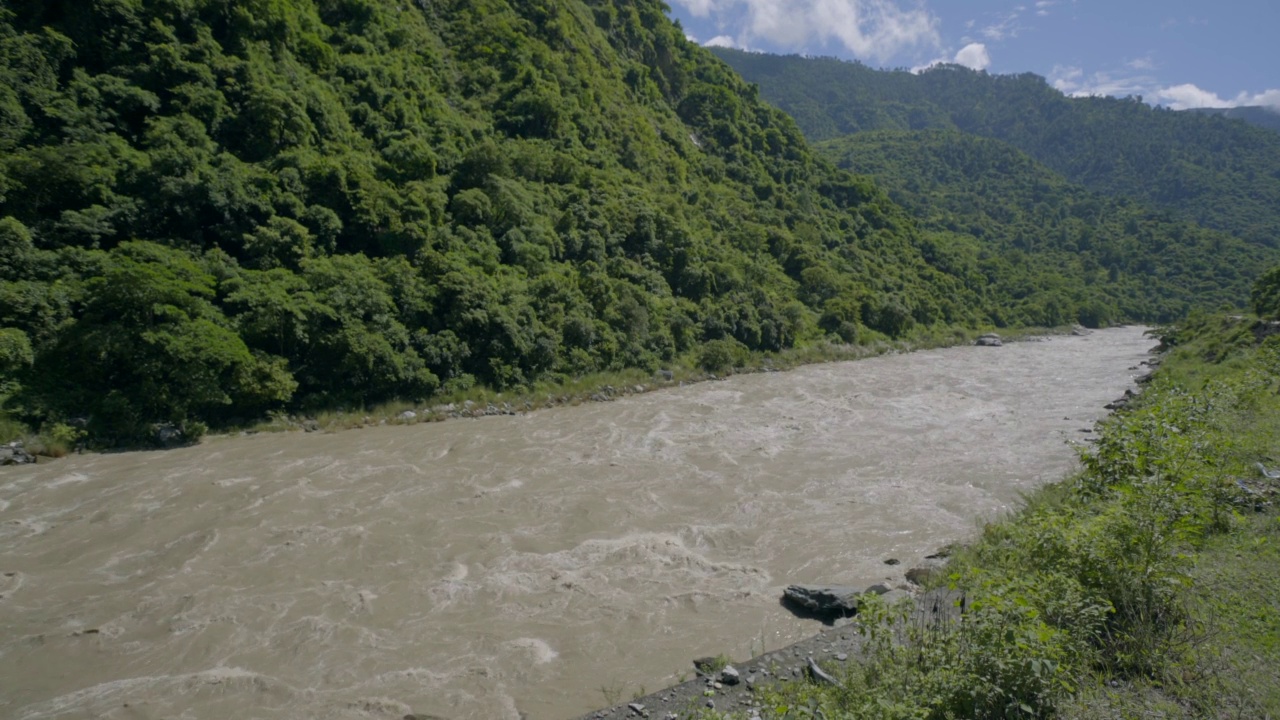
{"type": "Point", "coordinates": [506, 566]}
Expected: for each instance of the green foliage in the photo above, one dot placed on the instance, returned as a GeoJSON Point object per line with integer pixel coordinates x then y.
{"type": "Point", "coordinates": [150, 347]}
{"type": "Point", "coordinates": [1266, 294]}
{"type": "Point", "coordinates": [722, 355]}
{"type": "Point", "coordinates": [368, 200]}
{"type": "Point", "coordinates": [1041, 250]}
{"type": "Point", "coordinates": [1220, 173]}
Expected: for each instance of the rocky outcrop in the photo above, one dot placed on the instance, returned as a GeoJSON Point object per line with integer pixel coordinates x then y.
{"type": "Point", "coordinates": [989, 340]}
{"type": "Point", "coordinates": [823, 600]}
{"type": "Point", "coordinates": [15, 454]}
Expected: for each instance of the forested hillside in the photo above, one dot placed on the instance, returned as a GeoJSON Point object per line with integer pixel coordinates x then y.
{"type": "Point", "coordinates": [1041, 240]}
{"type": "Point", "coordinates": [1263, 117]}
{"type": "Point", "coordinates": [1220, 173]}
{"type": "Point", "coordinates": [211, 210]}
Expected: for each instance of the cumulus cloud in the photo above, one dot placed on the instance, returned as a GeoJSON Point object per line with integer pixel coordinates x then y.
{"type": "Point", "coordinates": [974, 56]}
{"type": "Point", "coordinates": [1075, 82]}
{"type": "Point", "coordinates": [1268, 99]}
{"type": "Point", "coordinates": [876, 29]}
{"type": "Point", "coordinates": [1187, 96]}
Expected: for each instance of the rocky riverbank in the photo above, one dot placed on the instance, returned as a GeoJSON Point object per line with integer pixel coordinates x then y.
{"type": "Point", "coordinates": [724, 685]}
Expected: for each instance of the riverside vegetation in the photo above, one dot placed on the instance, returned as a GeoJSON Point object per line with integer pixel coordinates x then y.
{"type": "Point", "coordinates": [213, 212]}
{"type": "Point", "coordinates": [1144, 586]}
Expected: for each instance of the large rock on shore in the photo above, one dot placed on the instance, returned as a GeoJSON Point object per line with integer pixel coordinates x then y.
{"type": "Point", "coordinates": [989, 340]}
{"type": "Point", "coordinates": [824, 600]}
{"type": "Point", "coordinates": [15, 454]}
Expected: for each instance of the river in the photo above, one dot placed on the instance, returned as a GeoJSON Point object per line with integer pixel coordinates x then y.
{"type": "Point", "coordinates": [536, 564]}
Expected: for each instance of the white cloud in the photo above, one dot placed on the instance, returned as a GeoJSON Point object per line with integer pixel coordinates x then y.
{"type": "Point", "coordinates": [1187, 95]}
{"type": "Point", "coordinates": [974, 56]}
{"type": "Point", "coordinates": [1266, 98]}
{"type": "Point", "coordinates": [1182, 97]}
{"type": "Point", "coordinates": [876, 29]}
{"type": "Point", "coordinates": [1075, 82]}
{"type": "Point", "coordinates": [721, 41]}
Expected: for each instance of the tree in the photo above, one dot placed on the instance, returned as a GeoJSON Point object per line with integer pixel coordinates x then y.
{"type": "Point", "coordinates": [150, 347]}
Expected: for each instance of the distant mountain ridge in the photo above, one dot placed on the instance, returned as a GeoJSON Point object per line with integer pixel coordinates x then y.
{"type": "Point", "coordinates": [1263, 117]}
{"type": "Point", "coordinates": [1224, 175]}
{"type": "Point", "coordinates": [1039, 238]}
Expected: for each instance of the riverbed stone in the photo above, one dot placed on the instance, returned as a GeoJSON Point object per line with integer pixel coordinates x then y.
{"type": "Point", "coordinates": [989, 340]}
{"type": "Point", "coordinates": [729, 675]}
{"type": "Point", "coordinates": [824, 599]}
{"type": "Point", "coordinates": [15, 454]}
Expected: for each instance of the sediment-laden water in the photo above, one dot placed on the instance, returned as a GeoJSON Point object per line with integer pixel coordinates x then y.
{"type": "Point", "coordinates": [539, 564]}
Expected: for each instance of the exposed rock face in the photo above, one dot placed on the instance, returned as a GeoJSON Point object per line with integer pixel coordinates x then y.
{"type": "Point", "coordinates": [989, 340]}
{"type": "Point", "coordinates": [839, 600]}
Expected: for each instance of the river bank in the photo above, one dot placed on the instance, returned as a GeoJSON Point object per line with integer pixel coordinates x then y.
{"type": "Point", "coordinates": [1143, 586]}
{"type": "Point", "coordinates": [481, 401]}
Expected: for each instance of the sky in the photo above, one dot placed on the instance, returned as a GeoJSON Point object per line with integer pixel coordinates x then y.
{"type": "Point", "coordinates": [1176, 53]}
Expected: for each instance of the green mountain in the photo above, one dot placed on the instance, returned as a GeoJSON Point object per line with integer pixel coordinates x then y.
{"type": "Point", "coordinates": [1263, 117]}
{"type": "Point", "coordinates": [1221, 174]}
{"type": "Point", "coordinates": [1047, 247]}
{"type": "Point", "coordinates": [212, 210]}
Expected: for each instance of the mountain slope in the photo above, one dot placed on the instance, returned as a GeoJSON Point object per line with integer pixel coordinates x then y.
{"type": "Point", "coordinates": [1045, 243]}
{"type": "Point", "coordinates": [1222, 174]}
{"type": "Point", "coordinates": [211, 210]}
{"type": "Point", "coordinates": [1263, 117]}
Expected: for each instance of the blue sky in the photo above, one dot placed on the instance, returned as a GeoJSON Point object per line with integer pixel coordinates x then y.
{"type": "Point", "coordinates": [1176, 53]}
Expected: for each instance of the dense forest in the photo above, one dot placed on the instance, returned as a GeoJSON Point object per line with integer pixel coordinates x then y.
{"type": "Point", "coordinates": [1219, 172]}
{"type": "Point", "coordinates": [1263, 117]}
{"type": "Point", "coordinates": [212, 210]}
{"type": "Point", "coordinates": [1041, 240]}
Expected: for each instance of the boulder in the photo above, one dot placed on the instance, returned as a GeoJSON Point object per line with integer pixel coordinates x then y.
{"type": "Point", "coordinates": [839, 600]}
{"type": "Point", "coordinates": [15, 454]}
{"type": "Point", "coordinates": [920, 575]}
{"type": "Point", "coordinates": [989, 340]}
{"type": "Point", "coordinates": [166, 434]}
